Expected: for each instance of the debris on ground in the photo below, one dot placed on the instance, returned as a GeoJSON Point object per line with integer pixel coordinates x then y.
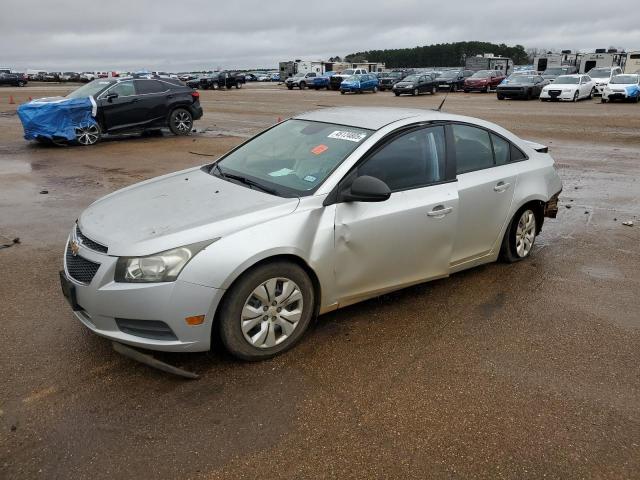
{"type": "Point", "coordinates": [7, 244]}
{"type": "Point", "coordinates": [628, 223]}
{"type": "Point", "coordinates": [44, 192]}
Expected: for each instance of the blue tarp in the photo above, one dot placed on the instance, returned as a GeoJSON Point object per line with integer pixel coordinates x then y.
{"type": "Point", "coordinates": [56, 117]}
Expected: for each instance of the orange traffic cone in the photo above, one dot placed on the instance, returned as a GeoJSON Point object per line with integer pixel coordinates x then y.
{"type": "Point", "coordinates": [11, 101]}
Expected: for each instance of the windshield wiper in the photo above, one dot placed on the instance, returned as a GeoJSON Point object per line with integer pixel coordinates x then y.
{"type": "Point", "coordinates": [245, 180]}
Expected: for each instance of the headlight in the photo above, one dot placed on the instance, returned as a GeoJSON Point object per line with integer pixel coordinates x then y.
{"type": "Point", "coordinates": [160, 267]}
{"type": "Point", "coordinates": [567, 90]}
{"type": "Point", "coordinates": [410, 85]}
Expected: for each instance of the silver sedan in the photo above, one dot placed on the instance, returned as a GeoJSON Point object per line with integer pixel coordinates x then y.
{"type": "Point", "coordinates": [318, 212]}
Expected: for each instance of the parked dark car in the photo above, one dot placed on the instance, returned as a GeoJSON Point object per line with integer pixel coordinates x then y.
{"type": "Point", "coordinates": [229, 79]}
{"type": "Point", "coordinates": [453, 80]}
{"type": "Point", "coordinates": [52, 77]}
{"type": "Point", "coordinates": [483, 81]}
{"type": "Point", "coordinates": [522, 86]}
{"type": "Point", "coordinates": [416, 84]}
{"type": "Point", "coordinates": [126, 105]}
{"type": "Point", "coordinates": [13, 79]}
{"type": "Point", "coordinates": [389, 79]}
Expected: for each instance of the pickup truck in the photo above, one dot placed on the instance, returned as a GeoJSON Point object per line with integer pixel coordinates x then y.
{"type": "Point", "coordinates": [336, 80]}
{"type": "Point", "coordinates": [12, 79]}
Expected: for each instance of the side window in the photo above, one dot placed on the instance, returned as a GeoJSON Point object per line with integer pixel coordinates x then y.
{"type": "Point", "coordinates": [501, 150]}
{"type": "Point", "coordinates": [516, 154]}
{"type": "Point", "coordinates": [312, 74]}
{"type": "Point", "coordinates": [123, 89]}
{"type": "Point", "coordinates": [473, 148]}
{"type": "Point", "coordinates": [412, 160]}
{"type": "Point", "coordinates": [150, 86]}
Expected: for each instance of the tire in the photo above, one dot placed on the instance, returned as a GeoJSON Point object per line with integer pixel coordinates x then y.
{"type": "Point", "coordinates": [529, 95]}
{"type": "Point", "coordinates": [500, 96]}
{"type": "Point", "coordinates": [21, 84]}
{"type": "Point", "coordinates": [375, 89]}
{"type": "Point", "coordinates": [576, 96]}
{"type": "Point", "coordinates": [591, 93]}
{"type": "Point", "coordinates": [520, 236]}
{"type": "Point", "coordinates": [267, 290]}
{"type": "Point", "coordinates": [637, 99]}
{"type": "Point", "coordinates": [415, 92]}
{"type": "Point", "coordinates": [290, 87]}
{"type": "Point", "coordinates": [180, 122]}
{"type": "Point", "coordinates": [88, 135]}
{"type": "Point", "coordinates": [341, 92]}
{"type": "Point", "coordinates": [397, 94]}
{"type": "Point", "coordinates": [602, 100]}
{"type": "Point", "coordinates": [466, 91]}
{"type": "Point", "coordinates": [303, 85]}
{"type": "Point", "coordinates": [487, 89]}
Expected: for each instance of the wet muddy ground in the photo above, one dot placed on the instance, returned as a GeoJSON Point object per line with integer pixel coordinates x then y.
{"type": "Point", "coordinates": [505, 371]}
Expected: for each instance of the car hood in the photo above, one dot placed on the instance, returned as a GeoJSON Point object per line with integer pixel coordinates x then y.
{"type": "Point", "coordinates": [476, 80]}
{"type": "Point", "coordinates": [601, 81]}
{"type": "Point", "coordinates": [403, 83]}
{"type": "Point", "coordinates": [556, 86]}
{"type": "Point", "coordinates": [177, 209]}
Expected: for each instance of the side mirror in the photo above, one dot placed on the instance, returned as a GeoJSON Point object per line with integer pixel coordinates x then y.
{"type": "Point", "coordinates": [366, 189]}
{"type": "Point", "coordinates": [111, 96]}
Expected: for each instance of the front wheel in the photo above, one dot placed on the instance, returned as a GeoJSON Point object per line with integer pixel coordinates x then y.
{"type": "Point", "coordinates": [415, 92]}
{"type": "Point", "coordinates": [303, 85]}
{"type": "Point", "coordinates": [576, 96]}
{"type": "Point", "coordinates": [375, 89]}
{"type": "Point", "coordinates": [487, 89]}
{"type": "Point", "coordinates": [397, 94]}
{"type": "Point", "coordinates": [520, 236]}
{"type": "Point", "coordinates": [500, 96]}
{"type": "Point", "coordinates": [433, 89]}
{"type": "Point", "coordinates": [180, 122]}
{"type": "Point", "coordinates": [21, 84]}
{"type": "Point", "coordinates": [266, 311]}
{"type": "Point", "coordinates": [88, 135]}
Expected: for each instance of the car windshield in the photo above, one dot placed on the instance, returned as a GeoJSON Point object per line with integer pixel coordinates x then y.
{"type": "Point", "coordinates": [352, 78]}
{"type": "Point", "coordinates": [625, 79]}
{"type": "Point", "coordinates": [348, 72]}
{"type": "Point", "coordinates": [554, 71]}
{"type": "Point", "coordinates": [411, 78]}
{"type": "Point", "coordinates": [481, 74]}
{"type": "Point", "coordinates": [567, 80]}
{"type": "Point", "coordinates": [390, 75]}
{"type": "Point", "coordinates": [297, 75]}
{"type": "Point", "coordinates": [450, 74]}
{"type": "Point", "coordinates": [526, 79]}
{"type": "Point", "coordinates": [90, 89]}
{"type": "Point", "coordinates": [600, 73]}
{"type": "Point", "coordinates": [292, 158]}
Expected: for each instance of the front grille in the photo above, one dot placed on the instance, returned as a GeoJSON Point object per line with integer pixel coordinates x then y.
{"type": "Point", "coordinates": [555, 93]}
{"type": "Point", "coordinates": [79, 268]}
{"type": "Point", "coordinates": [153, 329]}
{"type": "Point", "coordinates": [90, 244]}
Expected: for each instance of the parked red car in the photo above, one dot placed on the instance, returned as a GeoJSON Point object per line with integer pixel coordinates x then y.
{"type": "Point", "coordinates": [484, 81]}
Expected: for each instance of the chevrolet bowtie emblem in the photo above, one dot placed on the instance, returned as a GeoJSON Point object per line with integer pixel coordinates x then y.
{"type": "Point", "coordinates": [75, 248]}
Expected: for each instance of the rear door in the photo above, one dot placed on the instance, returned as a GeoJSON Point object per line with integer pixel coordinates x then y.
{"type": "Point", "coordinates": [486, 181]}
{"type": "Point", "coordinates": [407, 238]}
{"type": "Point", "coordinates": [153, 101]}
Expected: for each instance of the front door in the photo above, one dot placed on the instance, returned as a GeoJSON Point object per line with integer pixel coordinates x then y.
{"type": "Point", "coordinates": [408, 238]}
{"type": "Point", "coordinates": [122, 110]}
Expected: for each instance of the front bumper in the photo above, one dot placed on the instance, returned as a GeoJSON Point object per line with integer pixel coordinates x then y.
{"type": "Point", "coordinates": [613, 95]}
{"type": "Point", "coordinates": [479, 87]}
{"type": "Point", "coordinates": [128, 312]}
{"type": "Point", "coordinates": [599, 89]}
{"type": "Point", "coordinates": [561, 96]}
{"type": "Point", "coordinates": [350, 88]}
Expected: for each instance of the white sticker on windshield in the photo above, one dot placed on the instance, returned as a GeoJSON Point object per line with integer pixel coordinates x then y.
{"type": "Point", "coordinates": [281, 173]}
{"type": "Point", "coordinates": [350, 136]}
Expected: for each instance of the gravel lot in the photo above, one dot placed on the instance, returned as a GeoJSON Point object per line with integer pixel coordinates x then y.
{"type": "Point", "coordinates": [505, 371]}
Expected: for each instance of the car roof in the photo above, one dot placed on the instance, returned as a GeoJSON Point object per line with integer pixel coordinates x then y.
{"type": "Point", "coordinates": [375, 118]}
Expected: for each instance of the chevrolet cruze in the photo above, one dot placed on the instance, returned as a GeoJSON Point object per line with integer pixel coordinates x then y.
{"type": "Point", "coordinates": [318, 212]}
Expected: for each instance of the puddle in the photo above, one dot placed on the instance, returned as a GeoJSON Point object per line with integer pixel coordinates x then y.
{"type": "Point", "coordinates": [13, 167]}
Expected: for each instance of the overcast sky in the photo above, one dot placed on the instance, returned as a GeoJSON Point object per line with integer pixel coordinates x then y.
{"type": "Point", "coordinates": [198, 34]}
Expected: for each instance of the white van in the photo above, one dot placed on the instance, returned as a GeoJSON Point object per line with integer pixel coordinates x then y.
{"type": "Point", "coordinates": [632, 65]}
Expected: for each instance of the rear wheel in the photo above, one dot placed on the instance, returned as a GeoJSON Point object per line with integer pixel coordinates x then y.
{"type": "Point", "coordinates": [375, 89]}
{"type": "Point", "coordinates": [433, 90]}
{"type": "Point", "coordinates": [88, 135]}
{"type": "Point", "coordinates": [520, 236]}
{"type": "Point", "coordinates": [180, 122]}
{"type": "Point", "coordinates": [266, 311]}
{"type": "Point", "coordinates": [415, 92]}
{"type": "Point", "coordinates": [21, 83]}
{"type": "Point", "coordinates": [487, 89]}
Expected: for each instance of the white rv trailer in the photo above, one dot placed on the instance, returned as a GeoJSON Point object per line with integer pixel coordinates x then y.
{"type": "Point", "coordinates": [555, 60]}
{"type": "Point", "coordinates": [632, 62]}
{"type": "Point", "coordinates": [601, 59]}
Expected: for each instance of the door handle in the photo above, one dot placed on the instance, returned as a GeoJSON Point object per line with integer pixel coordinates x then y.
{"type": "Point", "coordinates": [501, 187]}
{"type": "Point", "coordinates": [440, 211]}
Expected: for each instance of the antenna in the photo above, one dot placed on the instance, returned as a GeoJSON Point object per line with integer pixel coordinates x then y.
{"type": "Point", "coordinates": [444, 100]}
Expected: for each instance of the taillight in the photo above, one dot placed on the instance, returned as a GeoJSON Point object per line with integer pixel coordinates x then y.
{"type": "Point", "coordinates": [195, 95]}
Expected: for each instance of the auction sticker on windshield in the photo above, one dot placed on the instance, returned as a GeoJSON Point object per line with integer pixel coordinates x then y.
{"type": "Point", "coordinates": [350, 136]}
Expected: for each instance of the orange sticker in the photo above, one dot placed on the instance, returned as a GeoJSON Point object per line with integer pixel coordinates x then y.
{"type": "Point", "coordinates": [319, 149]}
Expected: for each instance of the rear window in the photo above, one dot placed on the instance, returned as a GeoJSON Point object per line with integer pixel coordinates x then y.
{"type": "Point", "coordinates": [150, 86]}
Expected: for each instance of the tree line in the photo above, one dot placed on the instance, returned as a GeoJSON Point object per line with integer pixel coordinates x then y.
{"type": "Point", "coordinates": [439, 55]}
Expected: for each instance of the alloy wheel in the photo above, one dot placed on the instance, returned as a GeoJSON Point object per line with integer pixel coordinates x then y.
{"type": "Point", "coordinates": [271, 312]}
{"type": "Point", "coordinates": [182, 122]}
{"type": "Point", "coordinates": [525, 233]}
{"type": "Point", "coordinates": [87, 135]}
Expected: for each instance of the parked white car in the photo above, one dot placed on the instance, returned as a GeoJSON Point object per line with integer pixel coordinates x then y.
{"type": "Point", "coordinates": [622, 87]}
{"type": "Point", "coordinates": [602, 76]}
{"type": "Point", "coordinates": [316, 213]}
{"type": "Point", "coordinates": [569, 88]}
